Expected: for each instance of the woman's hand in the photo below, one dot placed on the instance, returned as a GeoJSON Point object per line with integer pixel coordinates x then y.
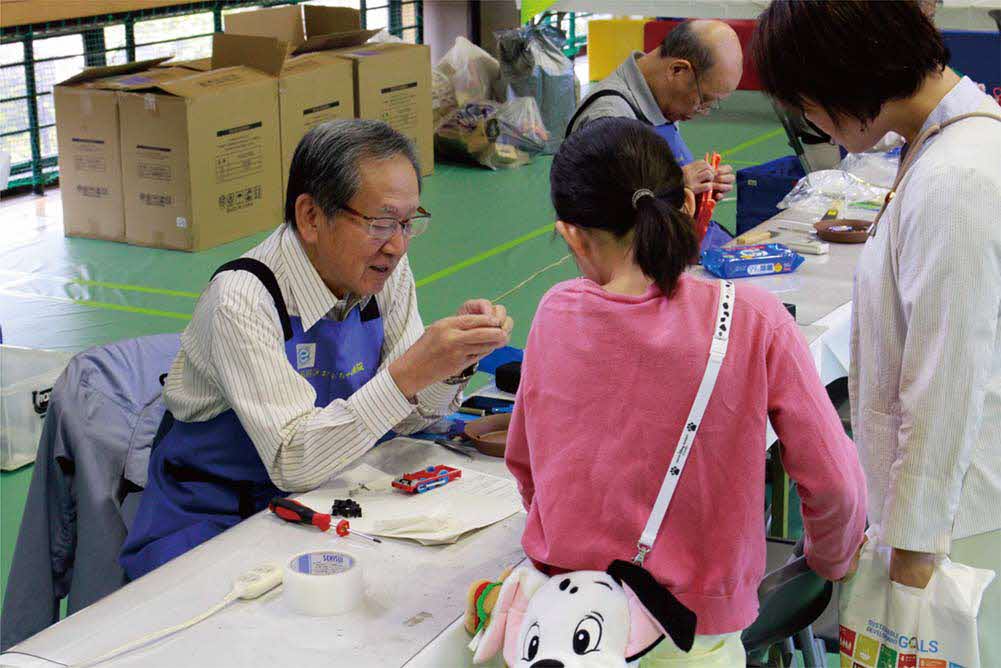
{"type": "Point", "coordinates": [912, 569]}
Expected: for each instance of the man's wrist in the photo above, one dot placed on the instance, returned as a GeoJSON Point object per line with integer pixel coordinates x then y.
{"type": "Point", "coordinates": [463, 377]}
{"type": "Point", "coordinates": [405, 380]}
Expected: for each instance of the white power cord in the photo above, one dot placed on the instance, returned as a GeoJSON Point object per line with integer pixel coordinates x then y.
{"type": "Point", "coordinates": [250, 585]}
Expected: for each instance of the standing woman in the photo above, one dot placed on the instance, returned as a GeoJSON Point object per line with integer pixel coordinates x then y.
{"type": "Point", "coordinates": [925, 380]}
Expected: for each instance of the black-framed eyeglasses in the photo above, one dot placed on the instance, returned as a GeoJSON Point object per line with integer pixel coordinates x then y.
{"type": "Point", "coordinates": [386, 227]}
{"type": "Point", "coordinates": [704, 107]}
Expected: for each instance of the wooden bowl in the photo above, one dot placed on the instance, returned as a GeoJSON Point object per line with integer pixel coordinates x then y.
{"type": "Point", "coordinates": [489, 434]}
{"type": "Point", "coordinates": [843, 231]}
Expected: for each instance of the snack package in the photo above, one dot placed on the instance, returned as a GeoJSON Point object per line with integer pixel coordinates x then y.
{"type": "Point", "coordinates": [745, 261]}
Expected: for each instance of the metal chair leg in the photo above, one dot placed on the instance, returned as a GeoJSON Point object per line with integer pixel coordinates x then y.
{"type": "Point", "coordinates": [808, 645]}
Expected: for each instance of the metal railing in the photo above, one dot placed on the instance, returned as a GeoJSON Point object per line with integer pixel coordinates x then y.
{"type": "Point", "coordinates": [33, 58]}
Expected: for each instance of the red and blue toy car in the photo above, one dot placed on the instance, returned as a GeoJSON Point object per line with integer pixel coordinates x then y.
{"type": "Point", "coordinates": [427, 479]}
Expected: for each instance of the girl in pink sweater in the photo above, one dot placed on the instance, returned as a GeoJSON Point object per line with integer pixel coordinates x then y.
{"type": "Point", "coordinates": [612, 366]}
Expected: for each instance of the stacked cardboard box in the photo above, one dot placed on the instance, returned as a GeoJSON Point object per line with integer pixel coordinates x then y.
{"type": "Point", "coordinates": [387, 82]}
{"type": "Point", "coordinates": [201, 153]}
{"type": "Point", "coordinates": [173, 155]}
{"type": "Point", "coordinates": [90, 157]}
{"type": "Point", "coordinates": [189, 155]}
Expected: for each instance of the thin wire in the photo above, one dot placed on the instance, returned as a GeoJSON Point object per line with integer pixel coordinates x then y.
{"type": "Point", "coordinates": [531, 278]}
{"type": "Point", "coordinates": [153, 637]}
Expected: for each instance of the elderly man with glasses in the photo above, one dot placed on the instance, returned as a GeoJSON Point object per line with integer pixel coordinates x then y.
{"type": "Point", "coordinates": [698, 65]}
{"type": "Point", "coordinates": [308, 350]}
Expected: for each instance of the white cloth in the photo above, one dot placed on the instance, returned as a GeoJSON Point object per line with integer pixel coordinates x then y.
{"type": "Point", "coordinates": [925, 377]}
{"type": "Point", "coordinates": [233, 356]}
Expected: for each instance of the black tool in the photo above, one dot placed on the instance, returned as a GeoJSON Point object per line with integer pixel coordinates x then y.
{"type": "Point", "coordinates": [345, 508]}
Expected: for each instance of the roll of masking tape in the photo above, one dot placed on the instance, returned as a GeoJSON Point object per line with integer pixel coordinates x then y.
{"type": "Point", "coordinates": [323, 583]}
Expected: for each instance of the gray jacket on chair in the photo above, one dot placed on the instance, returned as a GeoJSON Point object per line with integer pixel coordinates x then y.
{"type": "Point", "coordinates": [103, 414]}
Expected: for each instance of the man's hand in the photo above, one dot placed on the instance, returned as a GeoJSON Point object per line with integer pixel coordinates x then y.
{"type": "Point", "coordinates": [450, 345]}
{"type": "Point", "coordinates": [723, 181]}
{"type": "Point", "coordinates": [484, 307]}
{"type": "Point", "coordinates": [912, 569]}
{"type": "Point", "coordinates": [698, 176]}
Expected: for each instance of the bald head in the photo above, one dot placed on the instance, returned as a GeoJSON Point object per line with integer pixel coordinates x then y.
{"type": "Point", "coordinates": [713, 49]}
{"type": "Point", "coordinates": [697, 65]}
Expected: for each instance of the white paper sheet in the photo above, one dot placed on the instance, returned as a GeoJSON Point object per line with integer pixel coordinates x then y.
{"type": "Point", "coordinates": [437, 517]}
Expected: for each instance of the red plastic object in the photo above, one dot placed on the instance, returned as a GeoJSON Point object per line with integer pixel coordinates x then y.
{"type": "Point", "coordinates": [654, 33]}
{"type": "Point", "coordinates": [427, 479]}
{"type": "Point", "coordinates": [295, 512]}
{"type": "Point", "coordinates": [707, 203]}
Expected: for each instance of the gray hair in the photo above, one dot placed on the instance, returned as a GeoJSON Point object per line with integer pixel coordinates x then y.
{"type": "Point", "coordinates": [327, 161]}
{"type": "Point", "coordinates": [684, 43]}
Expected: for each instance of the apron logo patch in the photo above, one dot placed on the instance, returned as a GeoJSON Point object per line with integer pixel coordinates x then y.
{"type": "Point", "coordinates": [305, 355]}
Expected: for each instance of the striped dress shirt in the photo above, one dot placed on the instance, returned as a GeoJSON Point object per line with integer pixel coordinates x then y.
{"type": "Point", "coordinates": [925, 381]}
{"type": "Point", "coordinates": [233, 357]}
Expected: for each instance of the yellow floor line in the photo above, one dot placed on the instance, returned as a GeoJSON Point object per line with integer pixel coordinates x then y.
{"type": "Point", "coordinates": [480, 257]}
{"type": "Point", "coordinates": [755, 140]}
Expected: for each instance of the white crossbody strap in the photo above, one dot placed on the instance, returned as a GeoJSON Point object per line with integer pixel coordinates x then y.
{"type": "Point", "coordinates": [717, 353]}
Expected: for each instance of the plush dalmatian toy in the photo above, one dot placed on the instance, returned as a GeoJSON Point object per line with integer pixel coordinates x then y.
{"type": "Point", "coordinates": [583, 619]}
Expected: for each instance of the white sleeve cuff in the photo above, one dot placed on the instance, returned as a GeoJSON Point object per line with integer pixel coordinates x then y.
{"type": "Point", "coordinates": [379, 404]}
{"type": "Point", "coordinates": [439, 399]}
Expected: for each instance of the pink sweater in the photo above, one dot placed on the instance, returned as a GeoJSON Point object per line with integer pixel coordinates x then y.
{"type": "Point", "coordinates": [606, 385]}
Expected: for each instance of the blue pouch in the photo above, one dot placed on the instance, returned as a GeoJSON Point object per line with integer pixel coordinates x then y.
{"type": "Point", "coordinates": [715, 237]}
{"type": "Point", "coordinates": [745, 261]}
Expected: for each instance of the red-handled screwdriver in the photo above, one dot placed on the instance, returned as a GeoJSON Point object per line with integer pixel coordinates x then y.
{"type": "Point", "coordinates": [297, 513]}
{"type": "Point", "coordinates": [344, 528]}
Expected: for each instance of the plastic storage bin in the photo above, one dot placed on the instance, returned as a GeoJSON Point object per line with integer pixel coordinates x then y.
{"type": "Point", "coordinates": [761, 187]}
{"type": "Point", "coordinates": [26, 379]}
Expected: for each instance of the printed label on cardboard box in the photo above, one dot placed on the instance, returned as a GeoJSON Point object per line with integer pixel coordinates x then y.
{"type": "Point", "coordinates": [156, 199]}
{"type": "Point", "coordinates": [321, 114]}
{"type": "Point", "coordinates": [89, 155]}
{"type": "Point", "coordinates": [94, 192]}
{"type": "Point", "coordinates": [240, 199]}
{"type": "Point", "coordinates": [239, 153]}
{"type": "Point", "coordinates": [399, 106]}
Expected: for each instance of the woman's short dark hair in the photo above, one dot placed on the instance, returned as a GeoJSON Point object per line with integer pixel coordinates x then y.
{"type": "Point", "coordinates": [594, 176]}
{"type": "Point", "coordinates": [847, 56]}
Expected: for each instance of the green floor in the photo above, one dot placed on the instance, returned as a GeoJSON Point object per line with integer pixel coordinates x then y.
{"type": "Point", "coordinates": [490, 231]}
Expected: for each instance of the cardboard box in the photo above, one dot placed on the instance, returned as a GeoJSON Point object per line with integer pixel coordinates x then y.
{"type": "Point", "coordinates": [313, 88]}
{"type": "Point", "coordinates": [390, 82]}
{"type": "Point", "coordinates": [90, 170]}
{"type": "Point", "coordinates": [393, 84]}
{"type": "Point", "coordinates": [201, 155]}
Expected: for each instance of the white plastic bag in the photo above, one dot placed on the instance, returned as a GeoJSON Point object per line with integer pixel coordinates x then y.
{"type": "Point", "coordinates": [819, 191]}
{"type": "Point", "coordinates": [889, 625]}
{"type": "Point", "coordinates": [471, 70]}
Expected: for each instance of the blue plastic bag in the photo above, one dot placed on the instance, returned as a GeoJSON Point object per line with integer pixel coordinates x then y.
{"type": "Point", "coordinates": [745, 261]}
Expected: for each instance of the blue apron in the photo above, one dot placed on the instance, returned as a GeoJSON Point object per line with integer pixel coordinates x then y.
{"type": "Point", "coordinates": [205, 477]}
{"type": "Point", "coordinates": [679, 148]}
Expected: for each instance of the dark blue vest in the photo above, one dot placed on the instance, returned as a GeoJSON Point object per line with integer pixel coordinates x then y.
{"type": "Point", "coordinates": [205, 477]}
